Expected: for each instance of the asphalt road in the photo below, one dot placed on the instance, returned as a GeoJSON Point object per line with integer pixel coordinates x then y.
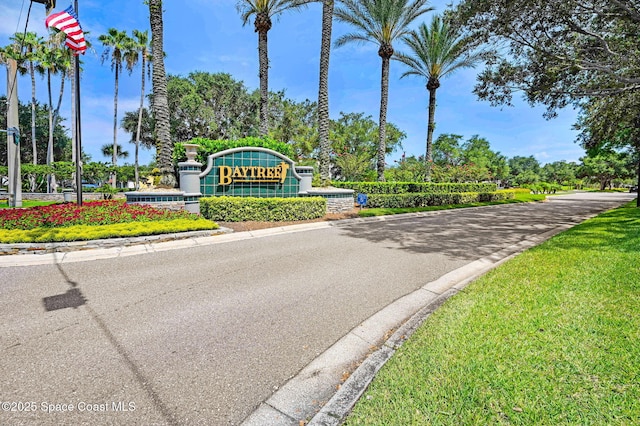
{"type": "Point", "coordinates": [203, 335]}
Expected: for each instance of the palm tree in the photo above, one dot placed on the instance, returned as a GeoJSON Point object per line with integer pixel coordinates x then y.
{"type": "Point", "coordinates": [117, 44]}
{"type": "Point", "coordinates": [107, 151]}
{"type": "Point", "coordinates": [264, 10]}
{"type": "Point", "coordinates": [160, 104]}
{"type": "Point", "coordinates": [323, 91]}
{"type": "Point", "coordinates": [436, 51]}
{"type": "Point", "coordinates": [142, 52]}
{"type": "Point", "coordinates": [33, 44]}
{"type": "Point", "coordinates": [381, 22]}
{"type": "Point", "coordinates": [54, 58]}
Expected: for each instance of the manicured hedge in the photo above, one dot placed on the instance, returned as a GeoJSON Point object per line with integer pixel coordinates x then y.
{"type": "Point", "coordinates": [370, 188]}
{"type": "Point", "coordinates": [434, 199]}
{"type": "Point", "coordinates": [211, 146]}
{"type": "Point", "coordinates": [239, 209]}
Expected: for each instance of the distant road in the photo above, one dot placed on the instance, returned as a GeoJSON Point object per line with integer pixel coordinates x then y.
{"type": "Point", "coordinates": [203, 335]}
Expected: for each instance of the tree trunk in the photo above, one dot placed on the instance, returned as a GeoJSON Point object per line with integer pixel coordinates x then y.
{"type": "Point", "coordinates": [382, 129]}
{"type": "Point", "coordinates": [33, 113]}
{"type": "Point", "coordinates": [160, 103]}
{"type": "Point", "coordinates": [431, 126]}
{"type": "Point", "coordinates": [50, 178]}
{"type": "Point", "coordinates": [323, 92]}
{"type": "Point", "coordinates": [263, 58]}
{"type": "Point", "coordinates": [114, 154]}
{"type": "Point", "coordinates": [56, 111]}
{"type": "Point", "coordinates": [638, 182]}
{"type": "Point", "coordinates": [136, 172]}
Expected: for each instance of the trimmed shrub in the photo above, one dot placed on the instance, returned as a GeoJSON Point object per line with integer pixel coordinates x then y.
{"type": "Point", "coordinates": [434, 199]}
{"type": "Point", "coordinates": [370, 188]}
{"type": "Point", "coordinates": [211, 146]}
{"type": "Point", "coordinates": [239, 209]}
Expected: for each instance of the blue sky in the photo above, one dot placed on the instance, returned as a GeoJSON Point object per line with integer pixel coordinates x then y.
{"type": "Point", "coordinates": [208, 36]}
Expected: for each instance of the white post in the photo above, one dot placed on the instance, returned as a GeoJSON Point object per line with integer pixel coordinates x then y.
{"type": "Point", "coordinates": [13, 149]}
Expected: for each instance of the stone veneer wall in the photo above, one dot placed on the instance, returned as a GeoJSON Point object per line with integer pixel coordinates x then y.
{"type": "Point", "coordinates": [170, 200]}
{"type": "Point", "coordinates": [338, 200]}
{"type": "Point", "coordinates": [169, 205]}
{"type": "Point", "coordinates": [86, 196]}
{"type": "Point", "coordinates": [339, 205]}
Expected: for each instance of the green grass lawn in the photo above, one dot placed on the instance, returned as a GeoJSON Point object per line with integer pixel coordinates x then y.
{"type": "Point", "coordinates": [519, 198]}
{"type": "Point", "coordinates": [551, 337]}
{"type": "Point", "coordinates": [27, 203]}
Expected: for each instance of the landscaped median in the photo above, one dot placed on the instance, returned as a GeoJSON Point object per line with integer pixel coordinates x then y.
{"type": "Point", "coordinates": [93, 220]}
{"type": "Point", "coordinates": [551, 337]}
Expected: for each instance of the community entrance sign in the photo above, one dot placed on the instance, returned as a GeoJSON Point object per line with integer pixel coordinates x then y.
{"type": "Point", "coordinates": [250, 172]}
{"type": "Point", "coordinates": [242, 172]}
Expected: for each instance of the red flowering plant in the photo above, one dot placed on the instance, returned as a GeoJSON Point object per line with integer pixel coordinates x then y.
{"type": "Point", "coordinates": [91, 213]}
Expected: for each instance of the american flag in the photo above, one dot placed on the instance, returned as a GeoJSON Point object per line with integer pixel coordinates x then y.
{"type": "Point", "coordinates": [67, 22]}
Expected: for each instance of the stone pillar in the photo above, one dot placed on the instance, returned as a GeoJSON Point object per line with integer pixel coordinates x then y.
{"type": "Point", "coordinates": [190, 179]}
{"type": "Point", "coordinates": [306, 175]}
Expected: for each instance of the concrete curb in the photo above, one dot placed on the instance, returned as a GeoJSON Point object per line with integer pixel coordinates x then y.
{"type": "Point", "coordinates": [363, 351]}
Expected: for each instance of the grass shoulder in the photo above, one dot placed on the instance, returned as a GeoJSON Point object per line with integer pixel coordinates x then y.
{"type": "Point", "coordinates": [550, 337]}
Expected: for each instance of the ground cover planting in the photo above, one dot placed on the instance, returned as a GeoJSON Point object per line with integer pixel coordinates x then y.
{"type": "Point", "coordinates": [549, 338]}
{"type": "Point", "coordinates": [95, 219]}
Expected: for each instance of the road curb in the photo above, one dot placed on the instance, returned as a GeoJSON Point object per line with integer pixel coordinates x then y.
{"type": "Point", "coordinates": [302, 396]}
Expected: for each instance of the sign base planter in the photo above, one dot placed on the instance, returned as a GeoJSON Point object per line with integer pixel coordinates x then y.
{"type": "Point", "coordinates": [338, 200]}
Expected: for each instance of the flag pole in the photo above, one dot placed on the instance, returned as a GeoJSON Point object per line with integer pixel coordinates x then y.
{"type": "Point", "coordinates": [78, 140]}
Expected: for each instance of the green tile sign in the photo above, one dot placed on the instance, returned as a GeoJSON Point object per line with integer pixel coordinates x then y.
{"type": "Point", "coordinates": [249, 172]}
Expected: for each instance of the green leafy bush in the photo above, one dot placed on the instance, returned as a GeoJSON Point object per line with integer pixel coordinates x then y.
{"type": "Point", "coordinates": [238, 209]}
{"type": "Point", "coordinates": [434, 199]}
{"type": "Point", "coordinates": [544, 188]}
{"type": "Point", "coordinates": [210, 146]}
{"type": "Point", "coordinates": [415, 187]}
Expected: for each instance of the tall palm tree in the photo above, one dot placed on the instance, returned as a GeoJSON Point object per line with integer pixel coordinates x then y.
{"type": "Point", "coordinates": [142, 52]}
{"type": "Point", "coordinates": [323, 90]}
{"type": "Point", "coordinates": [264, 10]}
{"type": "Point", "coordinates": [381, 22]}
{"type": "Point", "coordinates": [160, 104]}
{"type": "Point", "coordinates": [117, 45]}
{"type": "Point", "coordinates": [33, 45]}
{"type": "Point", "coordinates": [436, 51]}
{"type": "Point", "coordinates": [54, 58]}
